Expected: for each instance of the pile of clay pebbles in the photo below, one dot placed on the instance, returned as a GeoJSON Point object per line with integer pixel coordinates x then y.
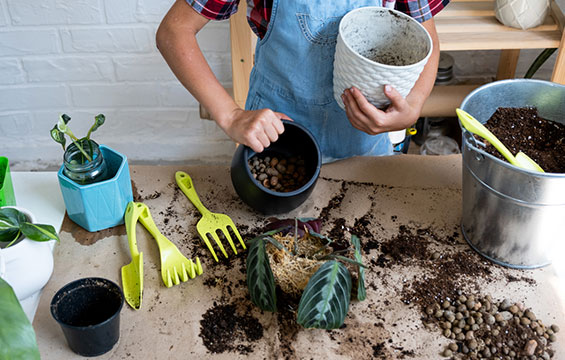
{"type": "Point", "coordinates": [483, 328]}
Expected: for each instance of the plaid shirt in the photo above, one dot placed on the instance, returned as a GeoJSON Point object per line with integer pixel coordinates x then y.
{"type": "Point", "coordinates": [259, 11]}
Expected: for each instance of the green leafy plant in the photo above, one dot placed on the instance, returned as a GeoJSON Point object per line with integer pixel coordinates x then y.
{"type": "Point", "coordinates": [538, 62]}
{"type": "Point", "coordinates": [61, 129]}
{"type": "Point", "coordinates": [14, 223]}
{"type": "Point", "coordinates": [324, 302]}
{"type": "Point", "coordinates": [17, 338]}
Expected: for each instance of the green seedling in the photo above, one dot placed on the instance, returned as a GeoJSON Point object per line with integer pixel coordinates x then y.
{"type": "Point", "coordinates": [61, 129]}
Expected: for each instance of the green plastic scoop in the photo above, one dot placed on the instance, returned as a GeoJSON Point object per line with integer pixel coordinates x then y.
{"type": "Point", "coordinates": [132, 273]}
{"type": "Point", "coordinates": [473, 125]}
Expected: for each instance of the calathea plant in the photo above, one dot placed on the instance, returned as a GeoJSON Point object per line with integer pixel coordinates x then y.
{"type": "Point", "coordinates": [14, 223]}
{"type": "Point", "coordinates": [295, 257]}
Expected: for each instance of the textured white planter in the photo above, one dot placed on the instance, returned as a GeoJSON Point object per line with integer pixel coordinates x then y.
{"type": "Point", "coordinates": [27, 266]}
{"type": "Point", "coordinates": [378, 46]}
{"type": "Point", "coordinates": [521, 14]}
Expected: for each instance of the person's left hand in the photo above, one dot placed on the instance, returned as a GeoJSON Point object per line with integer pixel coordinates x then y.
{"type": "Point", "coordinates": [364, 116]}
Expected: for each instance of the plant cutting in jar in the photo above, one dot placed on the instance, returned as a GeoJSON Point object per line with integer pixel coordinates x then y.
{"type": "Point", "coordinates": [82, 159]}
{"type": "Point", "coordinates": [14, 225]}
{"type": "Point", "coordinates": [303, 262]}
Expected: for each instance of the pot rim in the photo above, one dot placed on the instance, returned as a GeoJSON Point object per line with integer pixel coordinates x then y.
{"type": "Point", "coordinates": [391, 11]}
{"type": "Point", "coordinates": [248, 153]}
{"type": "Point", "coordinates": [71, 287]}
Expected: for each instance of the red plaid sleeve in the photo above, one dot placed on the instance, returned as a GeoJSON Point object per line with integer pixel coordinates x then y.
{"type": "Point", "coordinates": [214, 9]}
{"type": "Point", "coordinates": [421, 10]}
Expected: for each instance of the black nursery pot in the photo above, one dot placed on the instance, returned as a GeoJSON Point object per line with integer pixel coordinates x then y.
{"type": "Point", "coordinates": [88, 311]}
{"type": "Point", "coordinates": [296, 141]}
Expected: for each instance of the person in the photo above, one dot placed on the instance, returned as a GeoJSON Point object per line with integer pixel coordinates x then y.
{"type": "Point", "coordinates": [292, 76]}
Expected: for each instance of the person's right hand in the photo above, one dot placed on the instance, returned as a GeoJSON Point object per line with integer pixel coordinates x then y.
{"type": "Point", "coordinates": [254, 128]}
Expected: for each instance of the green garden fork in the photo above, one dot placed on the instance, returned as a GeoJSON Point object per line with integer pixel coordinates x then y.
{"type": "Point", "coordinates": [211, 223]}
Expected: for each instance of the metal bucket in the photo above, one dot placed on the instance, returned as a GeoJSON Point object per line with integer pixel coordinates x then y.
{"type": "Point", "coordinates": [512, 216]}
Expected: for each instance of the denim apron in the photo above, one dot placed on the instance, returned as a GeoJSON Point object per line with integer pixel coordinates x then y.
{"type": "Point", "coordinates": [293, 74]}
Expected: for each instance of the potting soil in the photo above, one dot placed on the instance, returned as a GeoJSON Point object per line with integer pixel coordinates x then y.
{"type": "Point", "coordinates": [522, 129]}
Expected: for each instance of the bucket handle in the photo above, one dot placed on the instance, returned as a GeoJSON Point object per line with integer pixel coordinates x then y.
{"type": "Point", "coordinates": [474, 145]}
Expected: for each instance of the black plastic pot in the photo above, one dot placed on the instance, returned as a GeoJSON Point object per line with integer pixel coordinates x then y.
{"type": "Point", "coordinates": [296, 140]}
{"type": "Point", "coordinates": [88, 311]}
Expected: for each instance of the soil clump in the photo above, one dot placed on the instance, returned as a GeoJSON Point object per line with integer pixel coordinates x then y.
{"type": "Point", "coordinates": [222, 329]}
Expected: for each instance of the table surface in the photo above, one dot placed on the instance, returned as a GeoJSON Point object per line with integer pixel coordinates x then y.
{"type": "Point", "coordinates": [412, 192]}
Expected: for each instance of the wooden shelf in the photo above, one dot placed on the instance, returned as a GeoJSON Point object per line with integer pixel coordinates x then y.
{"type": "Point", "coordinates": [471, 25]}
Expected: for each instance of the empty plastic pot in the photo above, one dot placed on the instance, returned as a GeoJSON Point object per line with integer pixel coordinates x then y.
{"type": "Point", "coordinates": [88, 311]}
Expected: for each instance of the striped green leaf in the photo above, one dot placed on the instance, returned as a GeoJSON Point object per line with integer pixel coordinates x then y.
{"type": "Point", "coordinates": [325, 301]}
{"type": "Point", "coordinates": [260, 279]}
{"type": "Point", "coordinates": [39, 232]}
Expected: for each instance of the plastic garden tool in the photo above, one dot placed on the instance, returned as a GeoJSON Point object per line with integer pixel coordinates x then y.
{"type": "Point", "coordinates": [175, 267]}
{"type": "Point", "coordinates": [473, 125]}
{"type": "Point", "coordinates": [132, 273]}
{"type": "Point", "coordinates": [210, 223]}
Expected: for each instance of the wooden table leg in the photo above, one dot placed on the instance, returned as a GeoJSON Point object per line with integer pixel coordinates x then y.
{"type": "Point", "coordinates": [558, 75]}
{"type": "Point", "coordinates": [507, 64]}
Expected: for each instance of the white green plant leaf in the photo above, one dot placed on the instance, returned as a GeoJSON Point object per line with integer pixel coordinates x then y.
{"type": "Point", "coordinates": [260, 279]}
{"type": "Point", "coordinates": [325, 301]}
{"type": "Point", "coordinates": [17, 337]}
{"type": "Point", "coordinates": [12, 216]}
{"type": "Point", "coordinates": [13, 222]}
{"type": "Point", "coordinates": [62, 123]}
{"type": "Point", "coordinates": [98, 121]}
{"type": "Point", "coordinates": [38, 232]}
{"type": "Point", "coordinates": [361, 291]}
{"type": "Point", "coordinates": [10, 220]}
{"type": "Point", "coordinates": [58, 136]}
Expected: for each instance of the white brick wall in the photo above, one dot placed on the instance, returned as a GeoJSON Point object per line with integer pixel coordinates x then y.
{"type": "Point", "coordinates": [52, 12]}
{"type": "Point", "coordinates": [84, 57]}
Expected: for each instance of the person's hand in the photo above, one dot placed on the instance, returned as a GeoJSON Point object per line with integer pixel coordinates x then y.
{"type": "Point", "coordinates": [364, 116]}
{"type": "Point", "coordinates": [254, 128]}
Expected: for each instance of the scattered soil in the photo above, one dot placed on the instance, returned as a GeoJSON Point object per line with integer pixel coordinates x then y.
{"type": "Point", "coordinates": [405, 245]}
{"type": "Point", "coordinates": [334, 203]}
{"type": "Point", "coordinates": [222, 329]}
{"type": "Point", "coordinates": [448, 269]}
{"type": "Point", "coordinates": [287, 306]}
{"type": "Point", "coordinates": [522, 129]}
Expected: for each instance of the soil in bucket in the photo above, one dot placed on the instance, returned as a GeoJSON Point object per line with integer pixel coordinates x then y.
{"type": "Point", "coordinates": [522, 129]}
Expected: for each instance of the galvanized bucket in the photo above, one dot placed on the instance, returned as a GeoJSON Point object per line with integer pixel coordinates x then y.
{"type": "Point", "coordinates": [512, 216]}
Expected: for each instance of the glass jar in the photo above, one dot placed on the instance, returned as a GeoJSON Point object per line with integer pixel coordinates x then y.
{"type": "Point", "coordinates": [79, 169]}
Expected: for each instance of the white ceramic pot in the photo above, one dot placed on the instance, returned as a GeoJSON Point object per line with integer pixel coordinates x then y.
{"type": "Point", "coordinates": [27, 266]}
{"type": "Point", "coordinates": [521, 14]}
{"type": "Point", "coordinates": [378, 46]}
